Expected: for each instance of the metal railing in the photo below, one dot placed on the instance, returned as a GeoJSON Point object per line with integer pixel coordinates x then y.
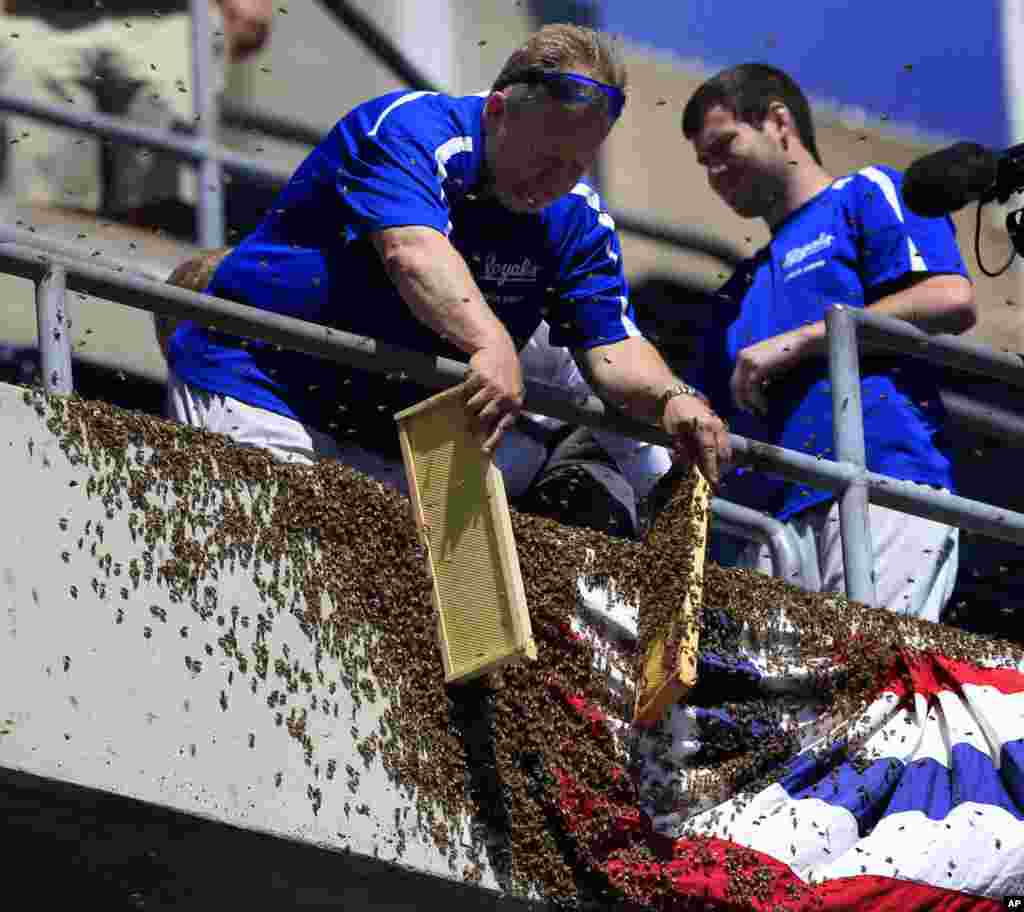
{"type": "Point", "coordinates": [56, 267]}
{"type": "Point", "coordinates": [847, 476]}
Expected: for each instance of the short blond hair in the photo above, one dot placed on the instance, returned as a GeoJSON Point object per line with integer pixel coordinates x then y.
{"type": "Point", "coordinates": [194, 274]}
{"type": "Point", "coordinates": [566, 47]}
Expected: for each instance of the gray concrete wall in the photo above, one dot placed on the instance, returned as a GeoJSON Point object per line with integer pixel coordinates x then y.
{"type": "Point", "coordinates": [112, 682]}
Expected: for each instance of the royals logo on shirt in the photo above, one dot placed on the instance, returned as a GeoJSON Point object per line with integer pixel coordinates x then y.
{"type": "Point", "coordinates": [512, 273]}
{"type": "Point", "coordinates": [797, 257]}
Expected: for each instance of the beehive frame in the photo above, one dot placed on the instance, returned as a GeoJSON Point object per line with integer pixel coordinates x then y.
{"type": "Point", "coordinates": [665, 681]}
{"type": "Point", "coordinates": [462, 514]}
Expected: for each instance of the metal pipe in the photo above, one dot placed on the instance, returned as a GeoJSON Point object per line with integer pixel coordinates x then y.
{"type": "Point", "coordinates": [120, 128]}
{"type": "Point", "coordinates": [437, 373]}
{"type": "Point", "coordinates": [54, 331]}
{"type": "Point", "coordinates": [896, 494]}
{"type": "Point", "coordinates": [380, 44]}
{"type": "Point", "coordinates": [752, 525]}
{"type": "Point", "coordinates": [677, 236]}
{"type": "Point", "coordinates": [242, 117]}
{"type": "Point", "coordinates": [848, 436]}
{"type": "Point", "coordinates": [204, 108]}
{"type": "Point", "coordinates": [66, 249]}
{"type": "Point", "coordinates": [943, 507]}
{"type": "Point", "coordinates": [949, 351]}
{"type": "Point", "coordinates": [982, 417]}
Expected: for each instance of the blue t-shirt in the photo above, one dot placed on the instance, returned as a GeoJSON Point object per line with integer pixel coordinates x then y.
{"type": "Point", "coordinates": [409, 158]}
{"type": "Point", "coordinates": [846, 246]}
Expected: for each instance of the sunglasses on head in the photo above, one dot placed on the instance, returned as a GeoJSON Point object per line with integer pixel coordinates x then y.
{"type": "Point", "coordinates": [570, 88]}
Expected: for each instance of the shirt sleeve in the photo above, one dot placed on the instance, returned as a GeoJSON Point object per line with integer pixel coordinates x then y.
{"type": "Point", "coordinates": [592, 293]}
{"type": "Point", "coordinates": [387, 175]}
{"type": "Point", "coordinates": [895, 241]}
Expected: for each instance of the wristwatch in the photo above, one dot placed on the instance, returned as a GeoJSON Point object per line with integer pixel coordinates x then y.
{"type": "Point", "coordinates": [677, 389]}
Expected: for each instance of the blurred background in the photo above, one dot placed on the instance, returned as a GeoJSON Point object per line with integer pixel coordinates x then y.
{"type": "Point", "coordinates": [888, 82]}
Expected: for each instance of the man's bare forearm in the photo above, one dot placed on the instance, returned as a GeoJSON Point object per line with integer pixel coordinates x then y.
{"type": "Point", "coordinates": [435, 283]}
{"type": "Point", "coordinates": [631, 374]}
{"type": "Point", "coordinates": [937, 304]}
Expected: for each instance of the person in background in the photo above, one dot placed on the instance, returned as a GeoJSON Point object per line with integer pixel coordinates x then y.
{"type": "Point", "coordinates": [577, 475]}
{"type": "Point", "coordinates": [452, 227]}
{"type": "Point", "coordinates": [127, 58]}
{"type": "Point", "coordinates": [848, 241]}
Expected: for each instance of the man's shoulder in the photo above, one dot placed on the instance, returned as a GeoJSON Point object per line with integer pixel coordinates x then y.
{"type": "Point", "coordinates": [431, 114]}
{"type": "Point", "coordinates": [873, 181]}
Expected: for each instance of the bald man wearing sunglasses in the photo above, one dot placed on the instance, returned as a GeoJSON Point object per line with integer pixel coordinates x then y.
{"type": "Point", "coordinates": [453, 227]}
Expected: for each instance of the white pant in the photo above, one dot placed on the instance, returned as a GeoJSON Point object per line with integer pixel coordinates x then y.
{"type": "Point", "coordinates": [915, 559]}
{"type": "Point", "coordinates": [641, 463]}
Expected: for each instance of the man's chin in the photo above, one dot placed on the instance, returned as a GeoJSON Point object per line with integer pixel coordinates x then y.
{"type": "Point", "coordinates": [744, 208]}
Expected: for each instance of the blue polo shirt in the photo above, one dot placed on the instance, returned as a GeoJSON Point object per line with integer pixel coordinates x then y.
{"type": "Point", "coordinates": [408, 158]}
{"type": "Point", "coordinates": [845, 246]}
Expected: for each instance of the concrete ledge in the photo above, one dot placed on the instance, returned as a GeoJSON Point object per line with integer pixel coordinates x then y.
{"type": "Point", "coordinates": [122, 681]}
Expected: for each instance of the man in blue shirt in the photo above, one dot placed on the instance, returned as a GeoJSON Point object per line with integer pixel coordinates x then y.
{"type": "Point", "coordinates": [849, 241]}
{"type": "Point", "coordinates": [451, 226]}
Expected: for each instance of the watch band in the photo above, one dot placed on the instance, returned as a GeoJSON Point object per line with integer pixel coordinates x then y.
{"type": "Point", "coordinates": [677, 389]}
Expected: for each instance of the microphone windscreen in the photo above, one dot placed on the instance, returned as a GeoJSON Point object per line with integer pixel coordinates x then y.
{"type": "Point", "coordinates": [949, 179]}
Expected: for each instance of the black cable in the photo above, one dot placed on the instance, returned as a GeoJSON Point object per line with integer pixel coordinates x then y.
{"type": "Point", "coordinates": [977, 248]}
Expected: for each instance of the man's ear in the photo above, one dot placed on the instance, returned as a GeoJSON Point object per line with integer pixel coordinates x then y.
{"type": "Point", "coordinates": [781, 118]}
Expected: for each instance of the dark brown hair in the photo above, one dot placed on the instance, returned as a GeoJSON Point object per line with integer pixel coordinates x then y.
{"type": "Point", "coordinates": [748, 91]}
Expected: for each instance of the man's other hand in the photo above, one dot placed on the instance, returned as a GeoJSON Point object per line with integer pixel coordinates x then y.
{"type": "Point", "coordinates": [494, 390]}
{"type": "Point", "coordinates": [246, 26]}
{"type": "Point", "coordinates": [699, 435]}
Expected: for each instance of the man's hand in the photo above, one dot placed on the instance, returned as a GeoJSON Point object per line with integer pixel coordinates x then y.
{"type": "Point", "coordinates": [246, 26]}
{"type": "Point", "coordinates": [757, 364]}
{"type": "Point", "coordinates": [700, 436]}
{"type": "Point", "coordinates": [494, 390]}
{"type": "Point", "coordinates": [436, 284]}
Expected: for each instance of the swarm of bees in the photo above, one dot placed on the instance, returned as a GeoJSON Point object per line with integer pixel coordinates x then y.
{"type": "Point", "coordinates": [311, 535]}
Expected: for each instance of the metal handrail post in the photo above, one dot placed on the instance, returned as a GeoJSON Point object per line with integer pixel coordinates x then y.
{"type": "Point", "coordinates": [751, 525]}
{"type": "Point", "coordinates": [210, 196]}
{"type": "Point", "coordinates": [848, 435]}
{"type": "Point", "coordinates": [53, 328]}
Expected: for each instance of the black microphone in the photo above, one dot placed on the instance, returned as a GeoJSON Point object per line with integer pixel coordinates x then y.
{"type": "Point", "coordinates": [949, 179]}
